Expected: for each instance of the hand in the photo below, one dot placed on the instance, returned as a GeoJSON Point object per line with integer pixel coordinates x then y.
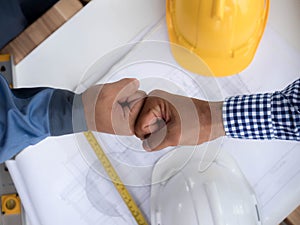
{"type": "Point", "coordinates": [169, 120]}
{"type": "Point", "coordinates": [113, 107]}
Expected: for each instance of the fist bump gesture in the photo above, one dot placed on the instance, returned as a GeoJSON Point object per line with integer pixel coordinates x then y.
{"type": "Point", "coordinates": [160, 119]}
{"type": "Point", "coordinates": [170, 120]}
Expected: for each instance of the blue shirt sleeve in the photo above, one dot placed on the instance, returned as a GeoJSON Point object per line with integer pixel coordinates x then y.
{"type": "Point", "coordinates": [29, 115]}
{"type": "Point", "coordinates": [264, 116]}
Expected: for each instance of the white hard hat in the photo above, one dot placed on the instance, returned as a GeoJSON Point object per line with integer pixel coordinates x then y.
{"type": "Point", "coordinates": [183, 193]}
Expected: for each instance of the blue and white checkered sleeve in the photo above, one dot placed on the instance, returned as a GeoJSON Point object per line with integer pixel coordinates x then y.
{"type": "Point", "coordinates": [264, 116]}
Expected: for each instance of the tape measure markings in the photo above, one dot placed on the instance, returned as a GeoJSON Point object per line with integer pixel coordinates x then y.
{"type": "Point", "coordinates": [121, 188]}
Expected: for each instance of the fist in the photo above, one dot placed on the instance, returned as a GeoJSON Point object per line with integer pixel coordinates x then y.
{"type": "Point", "coordinates": [113, 107]}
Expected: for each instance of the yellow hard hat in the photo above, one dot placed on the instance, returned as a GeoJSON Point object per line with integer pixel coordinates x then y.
{"type": "Point", "coordinates": [223, 33]}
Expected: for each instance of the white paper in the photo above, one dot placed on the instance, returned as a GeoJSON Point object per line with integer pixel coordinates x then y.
{"type": "Point", "coordinates": [64, 189]}
{"type": "Point", "coordinates": [272, 169]}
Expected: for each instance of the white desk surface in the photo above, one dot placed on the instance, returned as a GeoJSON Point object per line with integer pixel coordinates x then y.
{"type": "Point", "coordinates": [62, 59]}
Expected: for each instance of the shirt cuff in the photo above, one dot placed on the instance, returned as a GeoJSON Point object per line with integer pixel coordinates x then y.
{"type": "Point", "coordinates": [66, 113]}
{"type": "Point", "coordinates": [78, 116]}
{"type": "Point", "coordinates": [248, 116]}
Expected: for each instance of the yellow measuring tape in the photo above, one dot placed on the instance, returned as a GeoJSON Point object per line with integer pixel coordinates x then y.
{"type": "Point", "coordinates": [121, 188]}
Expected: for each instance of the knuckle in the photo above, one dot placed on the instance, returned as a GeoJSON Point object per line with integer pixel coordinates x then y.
{"type": "Point", "coordinates": [138, 133]}
{"type": "Point", "coordinates": [127, 79]}
{"type": "Point", "coordinates": [156, 92]}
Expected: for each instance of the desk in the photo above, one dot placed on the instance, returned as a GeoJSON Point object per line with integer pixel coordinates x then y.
{"type": "Point", "coordinates": [81, 41]}
{"type": "Point", "coordinates": [37, 32]}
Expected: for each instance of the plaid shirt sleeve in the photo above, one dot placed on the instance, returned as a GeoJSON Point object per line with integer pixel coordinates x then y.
{"type": "Point", "coordinates": [264, 116]}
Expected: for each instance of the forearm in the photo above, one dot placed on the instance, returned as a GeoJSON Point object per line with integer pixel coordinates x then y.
{"type": "Point", "coordinates": [210, 120]}
{"type": "Point", "coordinates": [217, 125]}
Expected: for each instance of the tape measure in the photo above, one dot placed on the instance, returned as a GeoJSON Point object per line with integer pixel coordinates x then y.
{"type": "Point", "coordinates": [121, 188]}
{"type": "Point", "coordinates": [7, 68]}
{"type": "Point", "coordinates": [11, 204]}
